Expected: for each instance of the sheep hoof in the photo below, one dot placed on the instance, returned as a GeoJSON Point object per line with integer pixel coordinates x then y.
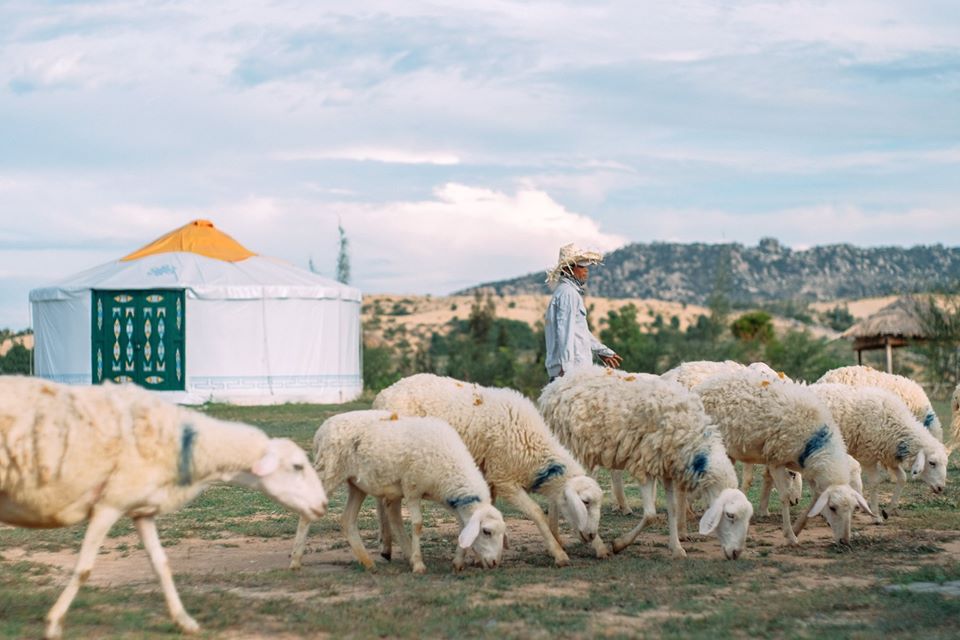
{"type": "Point", "coordinates": [187, 624]}
{"type": "Point", "coordinates": [295, 565]}
{"type": "Point", "coordinates": [626, 511]}
{"type": "Point", "coordinates": [603, 552]}
{"type": "Point", "coordinates": [54, 630]}
{"type": "Point", "coordinates": [420, 568]}
{"type": "Point", "coordinates": [562, 561]}
{"type": "Point", "coordinates": [386, 554]}
{"type": "Point", "coordinates": [679, 553]}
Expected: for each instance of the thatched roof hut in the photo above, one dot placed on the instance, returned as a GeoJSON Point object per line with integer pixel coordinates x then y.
{"type": "Point", "coordinates": [892, 326]}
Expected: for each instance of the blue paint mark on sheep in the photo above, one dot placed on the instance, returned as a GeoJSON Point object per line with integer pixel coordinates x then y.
{"type": "Point", "coordinates": [699, 465]}
{"type": "Point", "coordinates": [551, 470]}
{"type": "Point", "coordinates": [903, 450]}
{"type": "Point", "coordinates": [456, 503]}
{"type": "Point", "coordinates": [816, 442]}
{"type": "Point", "coordinates": [929, 418]}
{"type": "Point", "coordinates": [187, 438]}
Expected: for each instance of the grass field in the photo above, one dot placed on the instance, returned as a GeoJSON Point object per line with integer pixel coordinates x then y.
{"type": "Point", "coordinates": [228, 550]}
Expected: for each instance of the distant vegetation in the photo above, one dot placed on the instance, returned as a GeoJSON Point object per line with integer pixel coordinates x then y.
{"type": "Point", "coordinates": [17, 358]}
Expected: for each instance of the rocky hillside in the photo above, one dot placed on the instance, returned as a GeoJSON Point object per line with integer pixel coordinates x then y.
{"type": "Point", "coordinates": [690, 273]}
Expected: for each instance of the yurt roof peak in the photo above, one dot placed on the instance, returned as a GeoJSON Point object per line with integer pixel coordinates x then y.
{"type": "Point", "coordinates": [200, 237]}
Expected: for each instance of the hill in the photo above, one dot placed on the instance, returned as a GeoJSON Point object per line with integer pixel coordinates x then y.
{"type": "Point", "coordinates": [690, 273]}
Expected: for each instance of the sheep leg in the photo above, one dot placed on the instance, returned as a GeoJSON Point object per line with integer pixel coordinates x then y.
{"type": "Point", "coordinates": [673, 504]}
{"type": "Point", "coordinates": [101, 521]}
{"type": "Point", "coordinates": [147, 528]}
{"type": "Point", "coordinates": [874, 477]}
{"type": "Point", "coordinates": [416, 528]}
{"type": "Point", "coordinates": [747, 477]}
{"type": "Point", "coordinates": [781, 479]}
{"type": "Point", "coordinates": [396, 523]}
{"type": "Point", "coordinates": [901, 477]}
{"type": "Point", "coordinates": [616, 486]}
{"type": "Point", "coordinates": [682, 530]}
{"type": "Point", "coordinates": [765, 488]}
{"type": "Point", "coordinates": [299, 543]}
{"type": "Point", "coordinates": [348, 522]}
{"type": "Point", "coordinates": [519, 498]}
{"type": "Point", "coordinates": [553, 518]}
{"type": "Point", "coordinates": [386, 535]}
{"type": "Point", "coordinates": [648, 491]}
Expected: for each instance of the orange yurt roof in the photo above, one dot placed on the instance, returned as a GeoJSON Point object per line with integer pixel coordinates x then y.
{"type": "Point", "coordinates": [199, 236]}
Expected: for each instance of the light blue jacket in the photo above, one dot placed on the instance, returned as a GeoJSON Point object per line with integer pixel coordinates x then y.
{"type": "Point", "coordinates": [569, 341]}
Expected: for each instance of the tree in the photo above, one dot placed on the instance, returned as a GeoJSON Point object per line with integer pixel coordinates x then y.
{"type": "Point", "coordinates": [16, 361]}
{"type": "Point", "coordinates": [343, 257]}
{"type": "Point", "coordinates": [939, 317]}
{"type": "Point", "coordinates": [804, 357]}
{"type": "Point", "coordinates": [754, 326]}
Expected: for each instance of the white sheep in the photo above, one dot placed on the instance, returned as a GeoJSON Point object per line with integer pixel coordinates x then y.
{"type": "Point", "coordinates": [653, 429]}
{"type": "Point", "coordinates": [69, 454]}
{"type": "Point", "coordinates": [412, 458]}
{"type": "Point", "coordinates": [908, 391]}
{"type": "Point", "coordinates": [881, 432]}
{"type": "Point", "coordinates": [692, 373]}
{"type": "Point", "coordinates": [516, 452]}
{"type": "Point", "coordinates": [785, 425]}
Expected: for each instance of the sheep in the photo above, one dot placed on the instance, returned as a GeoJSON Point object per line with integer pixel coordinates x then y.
{"type": "Point", "coordinates": [908, 391]}
{"type": "Point", "coordinates": [97, 453]}
{"type": "Point", "coordinates": [690, 374]}
{"type": "Point", "coordinates": [377, 453]}
{"type": "Point", "coordinates": [513, 448]}
{"type": "Point", "coordinates": [796, 484]}
{"type": "Point", "coordinates": [785, 425]}
{"type": "Point", "coordinates": [654, 429]}
{"type": "Point", "coordinates": [881, 432]}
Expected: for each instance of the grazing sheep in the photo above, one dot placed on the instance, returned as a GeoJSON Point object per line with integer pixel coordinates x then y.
{"type": "Point", "coordinates": [513, 448]}
{"type": "Point", "coordinates": [908, 391]}
{"type": "Point", "coordinates": [690, 374]}
{"type": "Point", "coordinates": [796, 484]}
{"type": "Point", "coordinates": [881, 432]}
{"type": "Point", "coordinates": [654, 429]}
{"type": "Point", "coordinates": [376, 453]}
{"type": "Point", "coordinates": [69, 454]}
{"type": "Point", "coordinates": [785, 425]}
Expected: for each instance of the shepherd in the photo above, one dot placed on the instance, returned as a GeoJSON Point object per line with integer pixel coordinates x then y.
{"type": "Point", "coordinates": [569, 341]}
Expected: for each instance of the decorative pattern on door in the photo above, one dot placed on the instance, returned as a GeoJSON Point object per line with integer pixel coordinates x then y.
{"type": "Point", "coordinates": [138, 336]}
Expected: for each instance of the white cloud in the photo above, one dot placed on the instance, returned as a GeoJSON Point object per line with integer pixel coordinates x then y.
{"type": "Point", "coordinates": [361, 154]}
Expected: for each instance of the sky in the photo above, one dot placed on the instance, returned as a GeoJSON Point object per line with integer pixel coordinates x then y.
{"type": "Point", "coordinates": [465, 141]}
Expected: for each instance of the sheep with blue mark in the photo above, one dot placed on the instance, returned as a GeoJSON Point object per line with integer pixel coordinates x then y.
{"type": "Point", "coordinates": [881, 432]}
{"type": "Point", "coordinates": [690, 374]}
{"type": "Point", "coordinates": [653, 429]}
{"type": "Point", "coordinates": [908, 391]}
{"type": "Point", "coordinates": [786, 426]}
{"type": "Point", "coordinates": [513, 447]}
{"type": "Point", "coordinates": [98, 453]}
{"type": "Point", "coordinates": [411, 458]}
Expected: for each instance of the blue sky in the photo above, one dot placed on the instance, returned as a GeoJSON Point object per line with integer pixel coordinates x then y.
{"type": "Point", "coordinates": [466, 141]}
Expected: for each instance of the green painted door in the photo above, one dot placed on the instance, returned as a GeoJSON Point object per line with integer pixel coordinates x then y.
{"type": "Point", "coordinates": [138, 337]}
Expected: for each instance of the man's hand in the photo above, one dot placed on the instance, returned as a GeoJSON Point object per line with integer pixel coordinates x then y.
{"type": "Point", "coordinates": [612, 361]}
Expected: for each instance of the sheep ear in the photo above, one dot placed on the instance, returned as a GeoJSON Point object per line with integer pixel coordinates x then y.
{"type": "Point", "coordinates": [919, 464]}
{"type": "Point", "coordinates": [863, 503]}
{"type": "Point", "coordinates": [576, 507]}
{"type": "Point", "coordinates": [819, 505]}
{"type": "Point", "coordinates": [470, 531]}
{"type": "Point", "coordinates": [711, 519]}
{"type": "Point", "coordinates": [265, 465]}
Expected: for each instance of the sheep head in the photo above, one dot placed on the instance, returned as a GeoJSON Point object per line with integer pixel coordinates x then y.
{"type": "Point", "coordinates": [930, 466]}
{"type": "Point", "coordinates": [728, 518]}
{"type": "Point", "coordinates": [580, 505]}
{"type": "Point", "coordinates": [285, 474]}
{"type": "Point", "coordinates": [484, 533]}
{"type": "Point", "coordinates": [837, 504]}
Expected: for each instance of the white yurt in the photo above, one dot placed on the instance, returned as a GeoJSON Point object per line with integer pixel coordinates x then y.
{"type": "Point", "coordinates": [199, 318]}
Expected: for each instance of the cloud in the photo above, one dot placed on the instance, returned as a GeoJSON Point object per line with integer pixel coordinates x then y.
{"type": "Point", "coordinates": [363, 154]}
